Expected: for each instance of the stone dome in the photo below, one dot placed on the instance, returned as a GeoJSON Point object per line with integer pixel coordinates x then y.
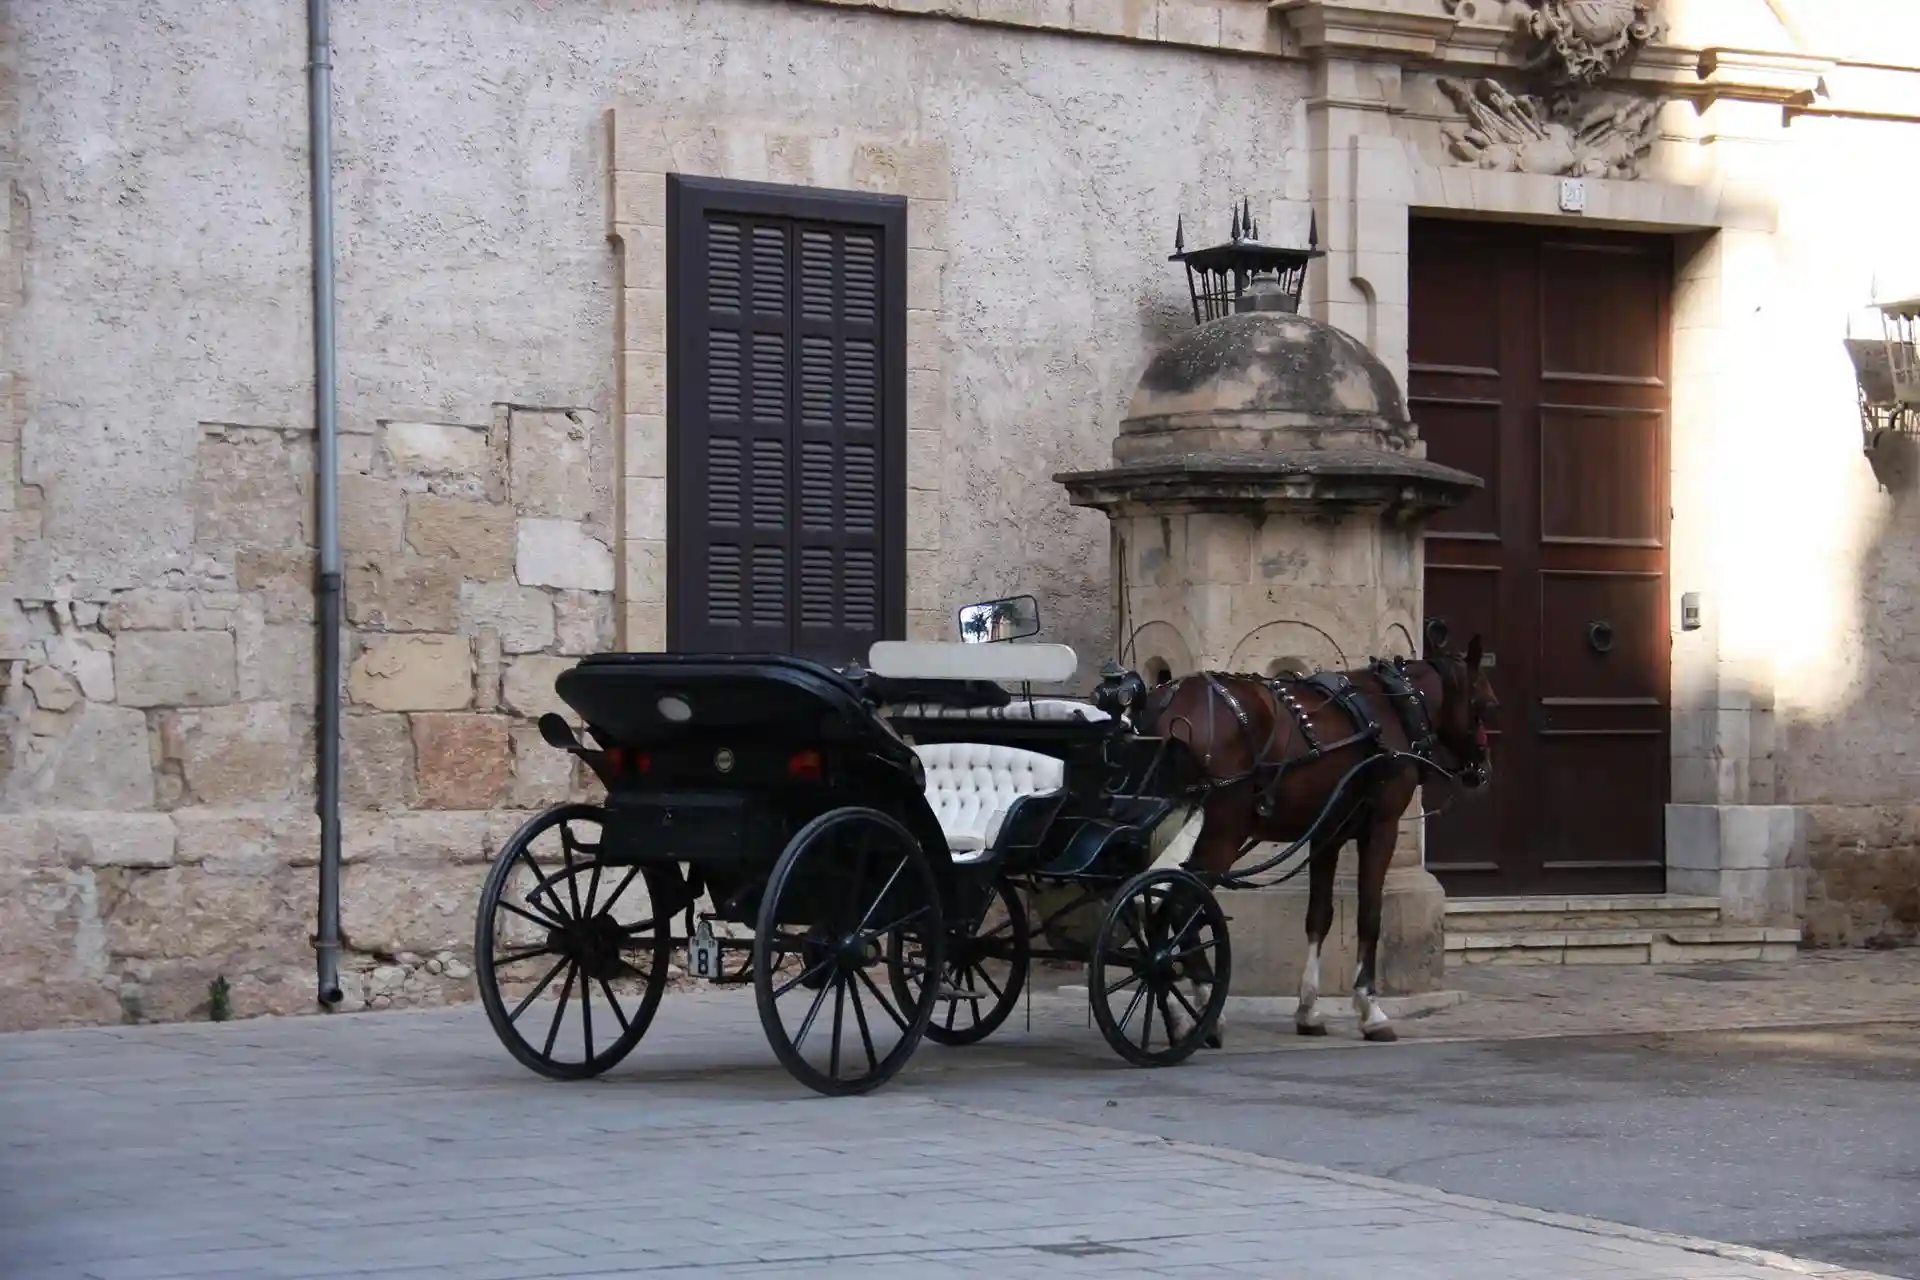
{"type": "Point", "coordinates": [1263, 382]}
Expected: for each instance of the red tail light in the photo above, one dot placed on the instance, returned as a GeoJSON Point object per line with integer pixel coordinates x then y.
{"type": "Point", "coordinates": [620, 760]}
{"type": "Point", "coordinates": [806, 766]}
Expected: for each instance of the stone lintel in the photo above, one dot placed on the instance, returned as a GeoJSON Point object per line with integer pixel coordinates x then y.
{"type": "Point", "coordinates": [1787, 78]}
{"type": "Point", "coordinates": [1365, 28]}
{"type": "Point", "coordinates": [1324, 480]}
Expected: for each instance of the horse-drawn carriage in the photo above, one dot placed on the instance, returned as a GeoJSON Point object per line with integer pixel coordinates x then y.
{"type": "Point", "coordinates": [882, 851]}
{"type": "Point", "coordinates": [881, 832]}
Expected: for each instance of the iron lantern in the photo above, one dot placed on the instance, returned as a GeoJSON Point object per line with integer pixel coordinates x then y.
{"type": "Point", "coordinates": [1242, 274]}
{"type": "Point", "coordinates": [1887, 373]}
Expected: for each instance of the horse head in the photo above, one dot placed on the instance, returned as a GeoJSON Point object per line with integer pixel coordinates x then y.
{"type": "Point", "coordinates": [1467, 710]}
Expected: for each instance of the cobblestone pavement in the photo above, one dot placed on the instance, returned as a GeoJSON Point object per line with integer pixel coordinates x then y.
{"type": "Point", "coordinates": [408, 1145]}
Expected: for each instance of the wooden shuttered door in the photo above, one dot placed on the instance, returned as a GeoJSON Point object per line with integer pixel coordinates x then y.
{"type": "Point", "coordinates": [787, 427]}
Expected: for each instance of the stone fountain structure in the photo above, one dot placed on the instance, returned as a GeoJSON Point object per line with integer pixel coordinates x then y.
{"type": "Point", "coordinates": [1266, 504]}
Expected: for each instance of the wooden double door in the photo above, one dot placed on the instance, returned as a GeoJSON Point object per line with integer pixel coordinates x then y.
{"type": "Point", "coordinates": [1540, 361]}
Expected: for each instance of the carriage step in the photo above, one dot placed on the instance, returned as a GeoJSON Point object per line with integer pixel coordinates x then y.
{"type": "Point", "coordinates": [1561, 913]}
{"type": "Point", "coordinates": [1623, 946]}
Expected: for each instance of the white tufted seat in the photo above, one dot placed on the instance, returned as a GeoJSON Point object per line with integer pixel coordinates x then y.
{"type": "Point", "coordinates": [971, 785]}
{"type": "Point", "coordinates": [1053, 710]}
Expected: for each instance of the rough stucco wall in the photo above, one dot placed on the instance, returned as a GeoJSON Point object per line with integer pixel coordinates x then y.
{"type": "Point", "coordinates": [1836, 614]}
{"type": "Point", "coordinates": [156, 641]}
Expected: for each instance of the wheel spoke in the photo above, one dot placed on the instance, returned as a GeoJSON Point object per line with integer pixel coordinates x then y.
{"type": "Point", "coordinates": [573, 878]}
{"type": "Point", "coordinates": [586, 1007]}
{"type": "Point", "coordinates": [1146, 1023]}
{"type": "Point", "coordinates": [1133, 1004]}
{"type": "Point", "coordinates": [1192, 1012]}
{"type": "Point", "coordinates": [906, 919]}
{"type": "Point", "coordinates": [1123, 984]}
{"type": "Point", "coordinates": [812, 1013]}
{"type": "Point", "coordinates": [542, 921]}
{"type": "Point", "coordinates": [839, 1017]}
{"type": "Point", "coordinates": [538, 988]}
{"type": "Point", "coordinates": [619, 1014]}
{"type": "Point", "coordinates": [866, 1036]}
{"type": "Point", "coordinates": [1196, 949]}
{"type": "Point", "coordinates": [593, 887]}
{"type": "Point", "coordinates": [1166, 1017]}
{"type": "Point", "coordinates": [867, 919]}
{"type": "Point", "coordinates": [881, 1000]}
{"type": "Point", "coordinates": [517, 956]}
{"type": "Point", "coordinates": [628, 969]}
{"type": "Point", "coordinates": [543, 883]}
{"type": "Point", "coordinates": [985, 977]}
{"type": "Point", "coordinates": [791, 983]}
{"type": "Point", "coordinates": [1179, 935]}
{"type": "Point", "coordinates": [559, 1011]}
{"type": "Point", "coordinates": [607, 907]}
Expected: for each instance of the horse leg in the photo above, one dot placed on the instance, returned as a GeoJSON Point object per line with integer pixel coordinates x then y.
{"type": "Point", "coordinates": [1376, 852]}
{"type": "Point", "coordinates": [1215, 849]}
{"type": "Point", "coordinates": [1324, 861]}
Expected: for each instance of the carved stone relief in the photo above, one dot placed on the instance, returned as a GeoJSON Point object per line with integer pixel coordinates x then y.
{"type": "Point", "coordinates": [1585, 38]}
{"type": "Point", "coordinates": [1587, 135]}
{"type": "Point", "coordinates": [1577, 41]}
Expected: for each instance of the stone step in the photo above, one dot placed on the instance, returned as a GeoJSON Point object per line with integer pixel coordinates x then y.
{"type": "Point", "coordinates": [1680, 945]}
{"type": "Point", "coordinates": [1557, 913]}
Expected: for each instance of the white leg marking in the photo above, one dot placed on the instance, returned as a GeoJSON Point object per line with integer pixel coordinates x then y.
{"type": "Point", "coordinates": [1366, 1006]}
{"type": "Point", "coordinates": [1305, 1014]}
{"type": "Point", "coordinates": [1197, 994]}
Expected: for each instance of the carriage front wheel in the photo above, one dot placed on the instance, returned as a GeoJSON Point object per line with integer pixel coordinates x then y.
{"type": "Point", "coordinates": [568, 949]}
{"type": "Point", "coordinates": [1161, 964]}
{"type": "Point", "coordinates": [851, 885]}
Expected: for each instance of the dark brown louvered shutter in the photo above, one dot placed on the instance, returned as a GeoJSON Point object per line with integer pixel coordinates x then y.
{"type": "Point", "coordinates": [786, 430]}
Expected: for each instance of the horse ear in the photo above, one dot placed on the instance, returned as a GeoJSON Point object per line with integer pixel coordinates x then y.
{"type": "Point", "coordinates": [1473, 654]}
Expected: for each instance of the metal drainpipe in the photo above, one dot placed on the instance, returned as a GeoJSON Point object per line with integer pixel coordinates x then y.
{"type": "Point", "coordinates": [327, 430]}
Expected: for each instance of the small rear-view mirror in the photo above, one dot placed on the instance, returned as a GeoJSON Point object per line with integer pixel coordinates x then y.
{"type": "Point", "coordinates": [1014, 618]}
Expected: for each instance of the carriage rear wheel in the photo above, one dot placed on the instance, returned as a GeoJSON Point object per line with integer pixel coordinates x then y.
{"type": "Point", "coordinates": [560, 931]}
{"type": "Point", "coordinates": [1161, 963]}
{"type": "Point", "coordinates": [852, 884]}
{"type": "Point", "coordinates": [986, 967]}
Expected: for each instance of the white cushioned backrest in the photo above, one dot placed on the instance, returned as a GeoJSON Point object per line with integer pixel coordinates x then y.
{"type": "Point", "coordinates": [971, 785]}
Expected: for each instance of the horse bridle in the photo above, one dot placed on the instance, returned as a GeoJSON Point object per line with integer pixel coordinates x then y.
{"type": "Point", "coordinates": [1473, 771]}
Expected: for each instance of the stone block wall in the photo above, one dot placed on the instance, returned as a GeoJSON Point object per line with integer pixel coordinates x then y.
{"type": "Point", "coordinates": [158, 824]}
{"type": "Point", "coordinates": [1863, 875]}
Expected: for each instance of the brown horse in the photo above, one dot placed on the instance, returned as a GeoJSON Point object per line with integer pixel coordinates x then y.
{"type": "Point", "coordinates": [1325, 759]}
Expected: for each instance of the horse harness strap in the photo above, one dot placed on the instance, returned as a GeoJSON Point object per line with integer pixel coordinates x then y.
{"type": "Point", "coordinates": [1407, 701]}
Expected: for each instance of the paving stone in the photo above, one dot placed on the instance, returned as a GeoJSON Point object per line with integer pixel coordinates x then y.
{"type": "Point", "coordinates": [228, 1150]}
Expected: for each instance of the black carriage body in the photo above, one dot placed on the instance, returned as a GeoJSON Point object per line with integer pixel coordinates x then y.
{"type": "Point", "coordinates": [715, 761]}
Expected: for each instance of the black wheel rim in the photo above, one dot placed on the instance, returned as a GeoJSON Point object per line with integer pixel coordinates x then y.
{"type": "Point", "coordinates": [570, 956]}
{"type": "Point", "coordinates": [1160, 969]}
{"type": "Point", "coordinates": [986, 964]}
{"type": "Point", "coordinates": [851, 887]}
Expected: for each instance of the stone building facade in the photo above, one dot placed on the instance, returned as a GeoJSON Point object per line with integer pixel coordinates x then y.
{"type": "Point", "coordinates": [507, 497]}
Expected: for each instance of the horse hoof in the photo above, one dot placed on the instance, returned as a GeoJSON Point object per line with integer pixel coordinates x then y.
{"type": "Point", "coordinates": [1310, 1028]}
{"type": "Point", "coordinates": [1379, 1035]}
{"type": "Point", "coordinates": [1213, 1041]}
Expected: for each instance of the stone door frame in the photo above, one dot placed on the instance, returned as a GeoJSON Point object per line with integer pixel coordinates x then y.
{"type": "Point", "coordinates": [1376, 163]}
